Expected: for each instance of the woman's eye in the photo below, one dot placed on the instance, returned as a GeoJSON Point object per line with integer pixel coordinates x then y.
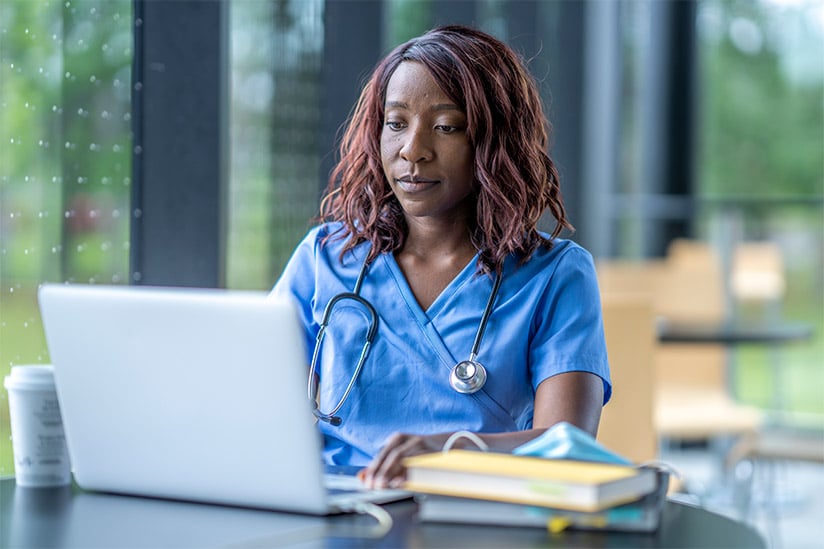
{"type": "Point", "coordinates": [392, 125]}
{"type": "Point", "coordinates": [445, 128]}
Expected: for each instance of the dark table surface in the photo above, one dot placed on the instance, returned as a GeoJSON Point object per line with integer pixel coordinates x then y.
{"type": "Point", "coordinates": [733, 333]}
{"type": "Point", "coordinates": [70, 517]}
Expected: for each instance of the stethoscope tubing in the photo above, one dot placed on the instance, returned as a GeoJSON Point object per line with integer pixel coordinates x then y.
{"type": "Point", "coordinates": [462, 387]}
{"type": "Point", "coordinates": [479, 335]}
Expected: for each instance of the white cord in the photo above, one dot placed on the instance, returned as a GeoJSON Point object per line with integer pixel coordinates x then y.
{"type": "Point", "coordinates": [315, 535]}
{"type": "Point", "coordinates": [454, 437]}
{"type": "Point", "coordinates": [381, 515]}
{"type": "Point", "coordinates": [662, 466]}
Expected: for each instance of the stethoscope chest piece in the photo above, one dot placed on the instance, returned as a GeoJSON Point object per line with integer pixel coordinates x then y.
{"type": "Point", "coordinates": [468, 377]}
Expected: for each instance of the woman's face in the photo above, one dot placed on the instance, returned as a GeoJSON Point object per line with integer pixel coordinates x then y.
{"type": "Point", "coordinates": [426, 156]}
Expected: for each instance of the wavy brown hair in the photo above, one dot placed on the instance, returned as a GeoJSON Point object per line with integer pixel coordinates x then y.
{"type": "Point", "coordinates": [515, 180]}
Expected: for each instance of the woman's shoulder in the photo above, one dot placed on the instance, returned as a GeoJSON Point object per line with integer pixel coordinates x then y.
{"type": "Point", "coordinates": [550, 265]}
{"type": "Point", "coordinates": [562, 252]}
{"type": "Point", "coordinates": [325, 234]}
{"type": "Point", "coordinates": [327, 241]}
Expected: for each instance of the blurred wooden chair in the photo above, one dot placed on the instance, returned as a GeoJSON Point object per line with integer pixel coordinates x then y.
{"type": "Point", "coordinates": [692, 399]}
{"type": "Point", "coordinates": [693, 394]}
{"type": "Point", "coordinates": [757, 278]}
{"type": "Point", "coordinates": [627, 425]}
{"type": "Point", "coordinates": [622, 276]}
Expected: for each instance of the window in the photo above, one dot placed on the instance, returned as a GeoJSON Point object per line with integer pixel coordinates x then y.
{"type": "Point", "coordinates": [761, 172]}
{"type": "Point", "coordinates": [65, 162]}
{"type": "Point", "coordinates": [275, 179]}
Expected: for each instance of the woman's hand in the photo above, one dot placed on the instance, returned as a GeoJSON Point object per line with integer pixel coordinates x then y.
{"type": "Point", "coordinates": [387, 470]}
{"type": "Point", "coordinates": [575, 397]}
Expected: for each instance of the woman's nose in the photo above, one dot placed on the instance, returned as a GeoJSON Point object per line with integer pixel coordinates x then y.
{"type": "Point", "coordinates": [416, 146]}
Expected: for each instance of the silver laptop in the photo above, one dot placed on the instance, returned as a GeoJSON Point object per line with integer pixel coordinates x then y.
{"type": "Point", "coordinates": [190, 394]}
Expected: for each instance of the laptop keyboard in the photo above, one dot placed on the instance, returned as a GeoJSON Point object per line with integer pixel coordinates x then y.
{"type": "Point", "coordinates": [337, 483]}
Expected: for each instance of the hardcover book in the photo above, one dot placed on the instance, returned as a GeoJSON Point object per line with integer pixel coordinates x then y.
{"type": "Point", "coordinates": [562, 484]}
{"type": "Point", "coordinates": [643, 515]}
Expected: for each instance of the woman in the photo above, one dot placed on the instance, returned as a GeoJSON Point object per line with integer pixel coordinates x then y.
{"type": "Point", "coordinates": [430, 219]}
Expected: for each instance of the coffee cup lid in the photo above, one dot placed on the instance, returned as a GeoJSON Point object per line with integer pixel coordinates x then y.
{"type": "Point", "coordinates": [36, 377]}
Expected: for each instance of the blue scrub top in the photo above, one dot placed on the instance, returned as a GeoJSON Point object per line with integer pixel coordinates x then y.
{"type": "Point", "coordinates": [546, 320]}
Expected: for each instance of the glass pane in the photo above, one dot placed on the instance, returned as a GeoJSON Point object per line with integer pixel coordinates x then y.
{"type": "Point", "coordinates": [405, 19]}
{"type": "Point", "coordinates": [761, 172]}
{"type": "Point", "coordinates": [275, 177]}
{"type": "Point", "coordinates": [65, 162]}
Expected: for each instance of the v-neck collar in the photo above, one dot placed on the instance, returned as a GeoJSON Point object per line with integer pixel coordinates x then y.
{"type": "Point", "coordinates": [425, 316]}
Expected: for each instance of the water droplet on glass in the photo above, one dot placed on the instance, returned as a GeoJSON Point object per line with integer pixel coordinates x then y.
{"type": "Point", "coordinates": [137, 213]}
{"type": "Point", "coordinates": [136, 276]}
{"type": "Point", "coordinates": [138, 149]}
{"type": "Point", "coordinates": [116, 148]}
{"type": "Point", "coordinates": [81, 180]}
{"type": "Point", "coordinates": [138, 22]}
{"type": "Point", "coordinates": [116, 278]}
{"type": "Point", "coordinates": [92, 79]}
{"type": "Point", "coordinates": [80, 248]}
{"type": "Point", "coordinates": [138, 86]}
{"type": "Point", "coordinates": [105, 115]}
{"type": "Point", "coordinates": [68, 74]}
{"type": "Point", "coordinates": [82, 112]}
{"type": "Point", "coordinates": [115, 213]}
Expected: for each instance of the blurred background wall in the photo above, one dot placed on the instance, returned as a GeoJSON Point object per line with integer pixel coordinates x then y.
{"type": "Point", "coordinates": [187, 142]}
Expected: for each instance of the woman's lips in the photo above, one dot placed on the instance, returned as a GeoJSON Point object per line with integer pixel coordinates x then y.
{"type": "Point", "coordinates": [415, 184]}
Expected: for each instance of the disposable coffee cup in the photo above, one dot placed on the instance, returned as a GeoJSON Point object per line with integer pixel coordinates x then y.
{"type": "Point", "coordinates": [38, 441]}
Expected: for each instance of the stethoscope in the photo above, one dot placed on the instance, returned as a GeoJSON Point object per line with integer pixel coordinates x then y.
{"type": "Point", "coordinates": [466, 377]}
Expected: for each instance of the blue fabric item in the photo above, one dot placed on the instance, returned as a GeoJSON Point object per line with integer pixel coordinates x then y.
{"type": "Point", "coordinates": [546, 321]}
{"type": "Point", "coordinates": [566, 441]}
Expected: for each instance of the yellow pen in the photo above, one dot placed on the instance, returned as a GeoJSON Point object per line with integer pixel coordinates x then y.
{"type": "Point", "coordinates": [556, 525]}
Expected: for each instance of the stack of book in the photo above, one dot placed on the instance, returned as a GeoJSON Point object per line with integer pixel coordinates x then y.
{"type": "Point", "coordinates": [504, 489]}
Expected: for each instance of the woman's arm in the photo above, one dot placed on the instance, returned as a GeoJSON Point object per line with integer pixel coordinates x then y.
{"type": "Point", "coordinates": [574, 397]}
